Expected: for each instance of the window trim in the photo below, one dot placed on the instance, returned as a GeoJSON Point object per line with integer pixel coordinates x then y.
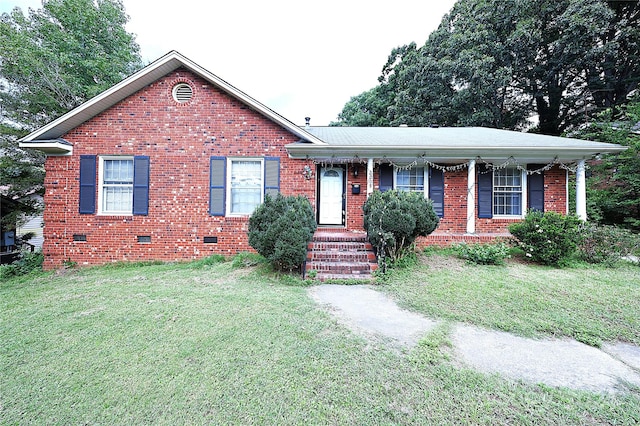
{"type": "Point", "coordinates": [523, 195]}
{"type": "Point", "coordinates": [425, 171]}
{"type": "Point", "coordinates": [101, 160]}
{"type": "Point", "coordinates": [229, 166]}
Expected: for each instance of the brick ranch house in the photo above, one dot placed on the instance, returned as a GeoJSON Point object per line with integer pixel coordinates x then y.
{"type": "Point", "coordinates": [169, 164]}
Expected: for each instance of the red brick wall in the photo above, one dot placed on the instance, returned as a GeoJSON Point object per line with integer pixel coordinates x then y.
{"type": "Point", "coordinates": [355, 216]}
{"type": "Point", "coordinates": [179, 139]}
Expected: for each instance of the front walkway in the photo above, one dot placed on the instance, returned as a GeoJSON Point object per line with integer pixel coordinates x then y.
{"type": "Point", "coordinates": [554, 362]}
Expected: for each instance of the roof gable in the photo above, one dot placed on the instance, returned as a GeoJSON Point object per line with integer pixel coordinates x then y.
{"type": "Point", "coordinates": [152, 72]}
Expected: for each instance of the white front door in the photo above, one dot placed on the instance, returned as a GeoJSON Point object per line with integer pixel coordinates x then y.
{"type": "Point", "coordinates": [331, 195]}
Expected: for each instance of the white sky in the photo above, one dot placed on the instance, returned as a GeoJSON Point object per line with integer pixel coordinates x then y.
{"type": "Point", "coordinates": [299, 58]}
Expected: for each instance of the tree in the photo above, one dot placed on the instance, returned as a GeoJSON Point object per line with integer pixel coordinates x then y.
{"type": "Point", "coordinates": [614, 183]}
{"type": "Point", "coordinates": [51, 61]}
{"type": "Point", "coordinates": [497, 63]}
{"type": "Point", "coordinates": [367, 109]}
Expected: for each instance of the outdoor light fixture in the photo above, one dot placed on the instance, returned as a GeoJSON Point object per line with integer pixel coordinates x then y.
{"type": "Point", "coordinates": [355, 171]}
{"type": "Point", "coordinates": [307, 172]}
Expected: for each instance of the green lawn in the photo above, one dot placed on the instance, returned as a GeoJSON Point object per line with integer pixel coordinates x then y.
{"type": "Point", "coordinates": [588, 303]}
{"type": "Point", "coordinates": [175, 344]}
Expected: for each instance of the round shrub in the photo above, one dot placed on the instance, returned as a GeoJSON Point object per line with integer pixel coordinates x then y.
{"type": "Point", "coordinates": [280, 230]}
{"type": "Point", "coordinates": [394, 219]}
{"type": "Point", "coordinates": [548, 238]}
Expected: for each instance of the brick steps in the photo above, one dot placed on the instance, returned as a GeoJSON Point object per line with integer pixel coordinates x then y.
{"type": "Point", "coordinates": [340, 256]}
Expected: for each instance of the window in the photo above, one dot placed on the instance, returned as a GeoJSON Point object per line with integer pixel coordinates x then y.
{"type": "Point", "coordinates": [508, 192]}
{"type": "Point", "coordinates": [413, 179]}
{"type": "Point", "coordinates": [116, 185]}
{"type": "Point", "coordinates": [238, 185]}
{"type": "Point", "coordinates": [122, 185]}
{"type": "Point", "coordinates": [245, 185]}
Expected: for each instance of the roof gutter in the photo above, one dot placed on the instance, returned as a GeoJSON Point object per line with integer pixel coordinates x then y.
{"type": "Point", "coordinates": [448, 153]}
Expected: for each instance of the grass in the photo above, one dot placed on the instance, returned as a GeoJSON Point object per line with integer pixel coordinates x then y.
{"type": "Point", "coordinates": [592, 304]}
{"type": "Point", "coordinates": [214, 344]}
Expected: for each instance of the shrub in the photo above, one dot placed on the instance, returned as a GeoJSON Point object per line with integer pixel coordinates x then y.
{"type": "Point", "coordinates": [548, 238]}
{"type": "Point", "coordinates": [607, 244]}
{"type": "Point", "coordinates": [26, 263]}
{"type": "Point", "coordinates": [280, 230]}
{"type": "Point", "coordinates": [483, 254]}
{"type": "Point", "coordinates": [394, 219]}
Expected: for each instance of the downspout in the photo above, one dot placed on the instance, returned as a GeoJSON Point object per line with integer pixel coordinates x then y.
{"type": "Point", "coordinates": [471, 197]}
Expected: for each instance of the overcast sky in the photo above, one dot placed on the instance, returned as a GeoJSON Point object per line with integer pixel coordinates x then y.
{"type": "Point", "coordinates": [298, 58]}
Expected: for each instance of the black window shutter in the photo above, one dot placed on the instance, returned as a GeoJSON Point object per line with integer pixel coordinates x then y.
{"type": "Point", "coordinates": [141, 185]}
{"type": "Point", "coordinates": [485, 192]}
{"type": "Point", "coordinates": [386, 177]}
{"type": "Point", "coordinates": [87, 184]}
{"type": "Point", "coordinates": [217, 191]}
{"type": "Point", "coordinates": [436, 190]}
{"type": "Point", "coordinates": [535, 188]}
{"type": "Point", "coordinates": [271, 175]}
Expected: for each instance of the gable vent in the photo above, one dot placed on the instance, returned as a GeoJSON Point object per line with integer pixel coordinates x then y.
{"type": "Point", "coordinates": [182, 92]}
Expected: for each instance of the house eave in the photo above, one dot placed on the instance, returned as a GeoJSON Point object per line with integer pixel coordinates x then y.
{"type": "Point", "coordinates": [50, 148]}
{"type": "Point", "coordinates": [448, 153]}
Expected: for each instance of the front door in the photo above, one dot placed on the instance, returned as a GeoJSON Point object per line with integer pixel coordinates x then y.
{"type": "Point", "coordinates": [331, 196]}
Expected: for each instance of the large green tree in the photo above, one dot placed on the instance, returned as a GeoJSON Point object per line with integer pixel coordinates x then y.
{"type": "Point", "coordinates": [52, 60]}
{"type": "Point", "coordinates": [497, 63]}
{"type": "Point", "coordinates": [614, 182]}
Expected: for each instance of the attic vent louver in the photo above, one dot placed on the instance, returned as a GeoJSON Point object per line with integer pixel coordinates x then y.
{"type": "Point", "coordinates": [182, 93]}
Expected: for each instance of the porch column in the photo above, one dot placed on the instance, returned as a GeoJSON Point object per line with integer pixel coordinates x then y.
{"type": "Point", "coordinates": [471, 197]}
{"type": "Point", "coordinates": [581, 191]}
{"type": "Point", "coordinates": [369, 177]}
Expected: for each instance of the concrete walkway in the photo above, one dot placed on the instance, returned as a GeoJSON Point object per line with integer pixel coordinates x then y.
{"type": "Point", "coordinates": [554, 362]}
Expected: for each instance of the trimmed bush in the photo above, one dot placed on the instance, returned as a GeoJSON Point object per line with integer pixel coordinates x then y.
{"type": "Point", "coordinates": [280, 230]}
{"type": "Point", "coordinates": [548, 238]}
{"type": "Point", "coordinates": [607, 244]}
{"type": "Point", "coordinates": [394, 219]}
{"type": "Point", "coordinates": [483, 254]}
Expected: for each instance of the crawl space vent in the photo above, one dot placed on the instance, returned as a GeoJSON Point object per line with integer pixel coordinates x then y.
{"type": "Point", "coordinates": [182, 93]}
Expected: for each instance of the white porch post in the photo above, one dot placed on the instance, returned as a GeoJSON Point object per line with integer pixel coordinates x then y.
{"type": "Point", "coordinates": [471, 197]}
{"type": "Point", "coordinates": [369, 176]}
{"type": "Point", "coordinates": [581, 191]}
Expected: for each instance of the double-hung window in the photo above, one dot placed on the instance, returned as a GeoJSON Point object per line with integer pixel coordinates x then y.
{"type": "Point", "coordinates": [245, 185]}
{"type": "Point", "coordinates": [238, 185]}
{"type": "Point", "coordinates": [508, 192]}
{"type": "Point", "coordinates": [115, 194]}
{"type": "Point", "coordinates": [414, 179]}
